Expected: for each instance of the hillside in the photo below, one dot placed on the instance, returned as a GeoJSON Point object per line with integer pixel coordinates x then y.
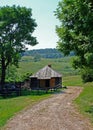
{"type": "Point", "coordinates": [45, 53]}
{"type": "Point", "coordinates": [30, 65]}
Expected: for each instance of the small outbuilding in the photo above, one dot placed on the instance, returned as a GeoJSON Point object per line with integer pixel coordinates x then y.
{"type": "Point", "coordinates": [46, 78]}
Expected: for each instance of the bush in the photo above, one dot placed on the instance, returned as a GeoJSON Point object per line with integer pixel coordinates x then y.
{"type": "Point", "coordinates": [87, 75]}
{"type": "Point", "coordinates": [26, 76]}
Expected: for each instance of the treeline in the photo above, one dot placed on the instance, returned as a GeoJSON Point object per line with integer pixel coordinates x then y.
{"type": "Point", "coordinates": [45, 53]}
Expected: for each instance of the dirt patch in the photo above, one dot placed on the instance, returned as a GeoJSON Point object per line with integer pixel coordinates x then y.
{"type": "Point", "coordinates": [56, 113]}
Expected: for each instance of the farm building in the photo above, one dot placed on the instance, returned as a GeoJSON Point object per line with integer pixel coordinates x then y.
{"type": "Point", "coordinates": [46, 78]}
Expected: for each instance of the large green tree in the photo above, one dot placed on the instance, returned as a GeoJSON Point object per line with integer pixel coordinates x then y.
{"type": "Point", "coordinates": [16, 28]}
{"type": "Point", "coordinates": [75, 33]}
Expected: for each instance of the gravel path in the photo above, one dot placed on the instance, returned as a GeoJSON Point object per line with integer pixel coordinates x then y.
{"type": "Point", "coordinates": [56, 113]}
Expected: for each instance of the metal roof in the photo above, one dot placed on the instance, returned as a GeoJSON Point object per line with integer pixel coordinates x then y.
{"type": "Point", "coordinates": [46, 73]}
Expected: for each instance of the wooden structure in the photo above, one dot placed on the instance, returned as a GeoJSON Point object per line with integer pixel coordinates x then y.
{"type": "Point", "coordinates": [46, 79]}
{"type": "Point", "coordinates": [10, 88]}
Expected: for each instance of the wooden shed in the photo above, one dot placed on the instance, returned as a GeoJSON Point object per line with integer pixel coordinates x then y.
{"type": "Point", "coordinates": [46, 78]}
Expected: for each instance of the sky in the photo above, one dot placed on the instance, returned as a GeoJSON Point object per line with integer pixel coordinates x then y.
{"type": "Point", "coordinates": [43, 13]}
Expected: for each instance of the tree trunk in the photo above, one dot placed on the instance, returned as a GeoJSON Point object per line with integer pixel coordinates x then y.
{"type": "Point", "coordinates": [3, 76]}
{"type": "Point", "coordinates": [3, 72]}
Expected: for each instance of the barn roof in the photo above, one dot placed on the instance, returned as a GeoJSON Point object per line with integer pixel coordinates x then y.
{"type": "Point", "coordinates": [46, 73]}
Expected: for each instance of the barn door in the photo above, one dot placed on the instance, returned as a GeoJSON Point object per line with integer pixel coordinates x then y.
{"type": "Point", "coordinates": [47, 83]}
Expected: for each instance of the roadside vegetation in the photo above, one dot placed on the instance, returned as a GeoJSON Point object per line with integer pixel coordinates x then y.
{"type": "Point", "coordinates": [11, 106]}
{"type": "Point", "coordinates": [84, 102]}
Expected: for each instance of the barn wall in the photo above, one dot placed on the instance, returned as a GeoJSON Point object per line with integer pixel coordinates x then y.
{"type": "Point", "coordinates": [52, 82]}
{"type": "Point", "coordinates": [42, 83]}
{"type": "Point", "coordinates": [33, 83]}
{"type": "Point", "coordinates": [58, 80]}
{"type": "Point", "coordinates": [45, 83]}
{"type": "Point", "coordinates": [55, 81]}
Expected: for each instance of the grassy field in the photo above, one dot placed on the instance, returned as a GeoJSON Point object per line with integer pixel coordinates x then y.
{"type": "Point", "coordinates": [62, 65]}
{"type": "Point", "coordinates": [72, 80]}
{"type": "Point", "coordinates": [9, 107]}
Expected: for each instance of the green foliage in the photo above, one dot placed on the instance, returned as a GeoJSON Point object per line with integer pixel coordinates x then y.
{"type": "Point", "coordinates": [11, 74]}
{"type": "Point", "coordinates": [76, 30]}
{"type": "Point", "coordinates": [87, 74]}
{"type": "Point", "coordinates": [26, 76]}
{"type": "Point", "coordinates": [16, 28]}
{"type": "Point", "coordinates": [44, 53]}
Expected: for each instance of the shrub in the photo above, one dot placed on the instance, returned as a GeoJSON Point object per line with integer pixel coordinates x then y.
{"type": "Point", "coordinates": [87, 75]}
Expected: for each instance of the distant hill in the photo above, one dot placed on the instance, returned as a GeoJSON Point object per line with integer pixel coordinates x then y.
{"type": "Point", "coordinates": [45, 53]}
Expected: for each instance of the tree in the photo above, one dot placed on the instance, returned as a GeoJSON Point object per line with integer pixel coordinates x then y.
{"type": "Point", "coordinates": [12, 74]}
{"type": "Point", "coordinates": [16, 28]}
{"type": "Point", "coordinates": [76, 31]}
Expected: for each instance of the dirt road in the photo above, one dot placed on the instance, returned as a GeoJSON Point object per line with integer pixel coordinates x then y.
{"type": "Point", "coordinates": [56, 113]}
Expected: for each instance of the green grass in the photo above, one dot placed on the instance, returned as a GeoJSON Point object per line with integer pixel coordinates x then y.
{"type": "Point", "coordinates": [85, 100]}
{"type": "Point", "coordinates": [72, 81]}
{"type": "Point", "coordinates": [9, 107]}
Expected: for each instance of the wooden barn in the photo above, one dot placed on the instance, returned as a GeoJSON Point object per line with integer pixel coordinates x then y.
{"type": "Point", "coordinates": [46, 78]}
